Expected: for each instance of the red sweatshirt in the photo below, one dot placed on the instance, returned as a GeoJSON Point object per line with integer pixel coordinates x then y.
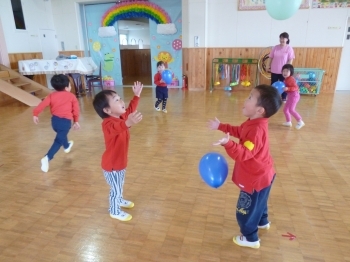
{"type": "Point", "coordinates": [117, 136]}
{"type": "Point", "coordinates": [291, 84]}
{"type": "Point", "coordinates": [62, 104]}
{"type": "Point", "coordinates": [157, 78]}
{"type": "Point", "coordinates": [254, 165]}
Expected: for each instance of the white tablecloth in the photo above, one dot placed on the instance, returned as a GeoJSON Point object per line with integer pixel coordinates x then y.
{"type": "Point", "coordinates": [84, 66]}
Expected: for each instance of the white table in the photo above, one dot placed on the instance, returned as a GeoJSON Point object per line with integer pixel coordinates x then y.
{"type": "Point", "coordinates": [83, 66]}
{"type": "Point", "coordinates": [72, 67]}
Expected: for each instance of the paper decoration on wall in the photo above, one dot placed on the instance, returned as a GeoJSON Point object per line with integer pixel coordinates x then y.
{"type": "Point", "coordinates": [164, 56]}
{"type": "Point", "coordinates": [107, 31]}
{"type": "Point", "coordinates": [109, 62]}
{"type": "Point", "coordinates": [132, 9]}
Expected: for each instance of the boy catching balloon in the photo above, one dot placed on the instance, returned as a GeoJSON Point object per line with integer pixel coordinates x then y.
{"type": "Point", "coordinates": [161, 88]}
{"type": "Point", "coordinates": [253, 172]}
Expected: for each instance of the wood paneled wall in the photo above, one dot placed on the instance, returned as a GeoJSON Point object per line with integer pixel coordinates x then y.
{"type": "Point", "coordinates": [78, 53]}
{"type": "Point", "coordinates": [197, 63]}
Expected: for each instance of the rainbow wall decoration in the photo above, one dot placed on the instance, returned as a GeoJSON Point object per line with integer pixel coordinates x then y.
{"type": "Point", "coordinates": [136, 9]}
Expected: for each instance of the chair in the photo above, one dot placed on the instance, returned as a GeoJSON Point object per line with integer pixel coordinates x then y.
{"type": "Point", "coordinates": [95, 79]}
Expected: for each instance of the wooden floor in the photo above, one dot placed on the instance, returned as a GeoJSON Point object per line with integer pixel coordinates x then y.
{"type": "Point", "coordinates": [146, 80]}
{"type": "Point", "coordinates": [62, 215]}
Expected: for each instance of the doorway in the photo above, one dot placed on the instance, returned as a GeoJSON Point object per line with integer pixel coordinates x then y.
{"type": "Point", "coordinates": [135, 52]}
{"type": "Point", "coordinates": [343, 80]}
{"type": "Point", "coordinates": [49, 48]}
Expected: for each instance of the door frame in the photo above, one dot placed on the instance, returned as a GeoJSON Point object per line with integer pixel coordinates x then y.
{"type": "Point", "coordinates": [4, 57]}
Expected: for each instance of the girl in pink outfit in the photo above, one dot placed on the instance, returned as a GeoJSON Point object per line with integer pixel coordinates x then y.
{"type": "Point", "coordinates": [293, 97]}
{"type": "Point", "coordinates": [280, 55]}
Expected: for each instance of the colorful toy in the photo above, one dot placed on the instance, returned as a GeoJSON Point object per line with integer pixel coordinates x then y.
{"type": "Point", "coordinates": [236, 69]}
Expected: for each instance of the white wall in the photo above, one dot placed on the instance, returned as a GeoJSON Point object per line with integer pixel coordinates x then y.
{"type": "Point", "coordinates": [138, 34]}
{"type": "Point", "coordinates": [66, 15]}
{"type": "Point", "coordinates": [37, 15]}
{"type": "Point", "coordinates": [228, 27]}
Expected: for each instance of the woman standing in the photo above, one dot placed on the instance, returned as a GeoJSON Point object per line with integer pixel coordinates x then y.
{"type": "Point", "coordinates": [280, 55]}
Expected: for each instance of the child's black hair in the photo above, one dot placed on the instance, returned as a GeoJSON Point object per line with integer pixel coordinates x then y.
{"type": "Point", "coordinates": [101, 102]}
{"type": "Point", "coordinates": [59, 82]}
{"type": "Point", "coordinates": [160, 63]}
{"type": "Point", "coordinates": [269, 99]}
{"type": "Point", "coordinates": [289, 67]}
{"type": "Point", "coordinates": [285, 35]}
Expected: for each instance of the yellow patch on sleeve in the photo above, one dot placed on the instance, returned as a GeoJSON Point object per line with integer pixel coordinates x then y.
{"type": "Point", "coordinates": [249, 145]}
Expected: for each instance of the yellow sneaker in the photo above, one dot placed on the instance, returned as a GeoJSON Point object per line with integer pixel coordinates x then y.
{"type": "Point", "coordinates": [122, 216]}
{"type": "Point", "coordinates": [127, 204]}
{"type": "Point", "coordinates": [267, 226]}
{"type": "Point", "coordinates": [242, 241]}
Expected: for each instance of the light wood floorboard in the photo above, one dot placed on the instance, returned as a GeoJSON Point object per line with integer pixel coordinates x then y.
{"type": "Point", "coordinates": [62, 215]}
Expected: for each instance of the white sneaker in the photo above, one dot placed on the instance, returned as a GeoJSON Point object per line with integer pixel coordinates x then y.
{"type": "Point", "coordinates": [300, 124]}
{"type": "Point", "coordinates": [267, 226]}
{"type": "Point", "coordinates": [157, 108]}
{"type": "Point", "coordinates": [67, 150]}
{"type": "Point", "coordinates": [122, 216]}
{"type": "Point", "coordinates": [165, 111]}
{"type": "Point", "coordinates": [289, 124]}
{"type": "Point", "coordinates": [242, 241]}
{"type": "Point", "coordinates": [45, 164]}
{"type": "Point", "coordinates": [127, 204]}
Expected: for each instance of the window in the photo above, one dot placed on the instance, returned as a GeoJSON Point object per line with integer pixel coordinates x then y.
{"type": "Point", "coordinates": [123, 39]}
{"type": "Point", "coordinates": [18, 14]}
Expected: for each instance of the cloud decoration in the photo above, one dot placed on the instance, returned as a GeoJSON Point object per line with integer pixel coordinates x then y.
{"type": "Point", "coordinates": [106, 31]}
{"type": "Point", "coordinates": [166, 29]}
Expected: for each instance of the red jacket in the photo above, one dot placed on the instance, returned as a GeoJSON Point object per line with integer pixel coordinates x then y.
{"type": "Point", "coordinates": [157, 78]}
{"type": "Point", "coordinates": [62, 104]}
{"type": "Point", "coordinates": [254, 165]}
{"type": "Point", "coordinates": [291, 84]}
{"type": "Point", "coordinates": [117, 136]}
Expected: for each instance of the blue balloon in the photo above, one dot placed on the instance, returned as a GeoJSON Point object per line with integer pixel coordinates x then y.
{"type": "Point", "coordinates": [312, 76]}
{"type": "Point", "coordinates": [282, 9]}
{"type": "Point", "coordinates": [167, 76]}
{"type": "Point", "coordinates": [279, 86]}
{"type": "Point", "coordinates": [213, 169]}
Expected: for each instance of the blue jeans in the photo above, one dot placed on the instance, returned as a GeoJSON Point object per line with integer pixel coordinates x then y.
{"type": "Point", "coordinates": [251, 211]}
{"type": "Point", "coordinates": [61, 126]}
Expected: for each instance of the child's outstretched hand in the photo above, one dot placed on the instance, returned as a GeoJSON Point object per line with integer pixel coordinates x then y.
{"type": "Point", "coordinates": [36, 120]}
{"type": "Point", "coordinates": [137, 88]}
{"type": "Point", "coordinates": [214, 124]}
{"type": "Point", "coordinates": [133, 119]}
{"type": "Point", "coordinates": [223, 141]}
{"type": "Point", "coordinates": [76, 126]}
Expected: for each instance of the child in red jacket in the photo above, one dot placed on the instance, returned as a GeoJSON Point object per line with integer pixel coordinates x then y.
{"type": "Point", "coordinates": [161, 88]}
{"type": "Point", "coordinates": [115, 126]}
{"type": "Point", "coordinates": [292, 90]}
{"type": "Point", "coordinates": [64, 108]}
{"type": "Point", "coordinates": [253, 172]}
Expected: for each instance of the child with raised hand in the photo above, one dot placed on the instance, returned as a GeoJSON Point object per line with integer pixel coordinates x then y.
{"type": "Point", "coordinates": [253, 172]}
{"type": "Point", "coordinates": [161, 88]}
{"type": "Point", "coordinates": [64, 108]}
{"type": "Point", "coordinates": [292, 90]}
{"type": "Point", "coordinates": [117, 120]}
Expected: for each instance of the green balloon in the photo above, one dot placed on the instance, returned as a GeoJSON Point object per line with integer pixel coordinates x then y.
{"type": "Point", "coordinates": [282, 9]}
